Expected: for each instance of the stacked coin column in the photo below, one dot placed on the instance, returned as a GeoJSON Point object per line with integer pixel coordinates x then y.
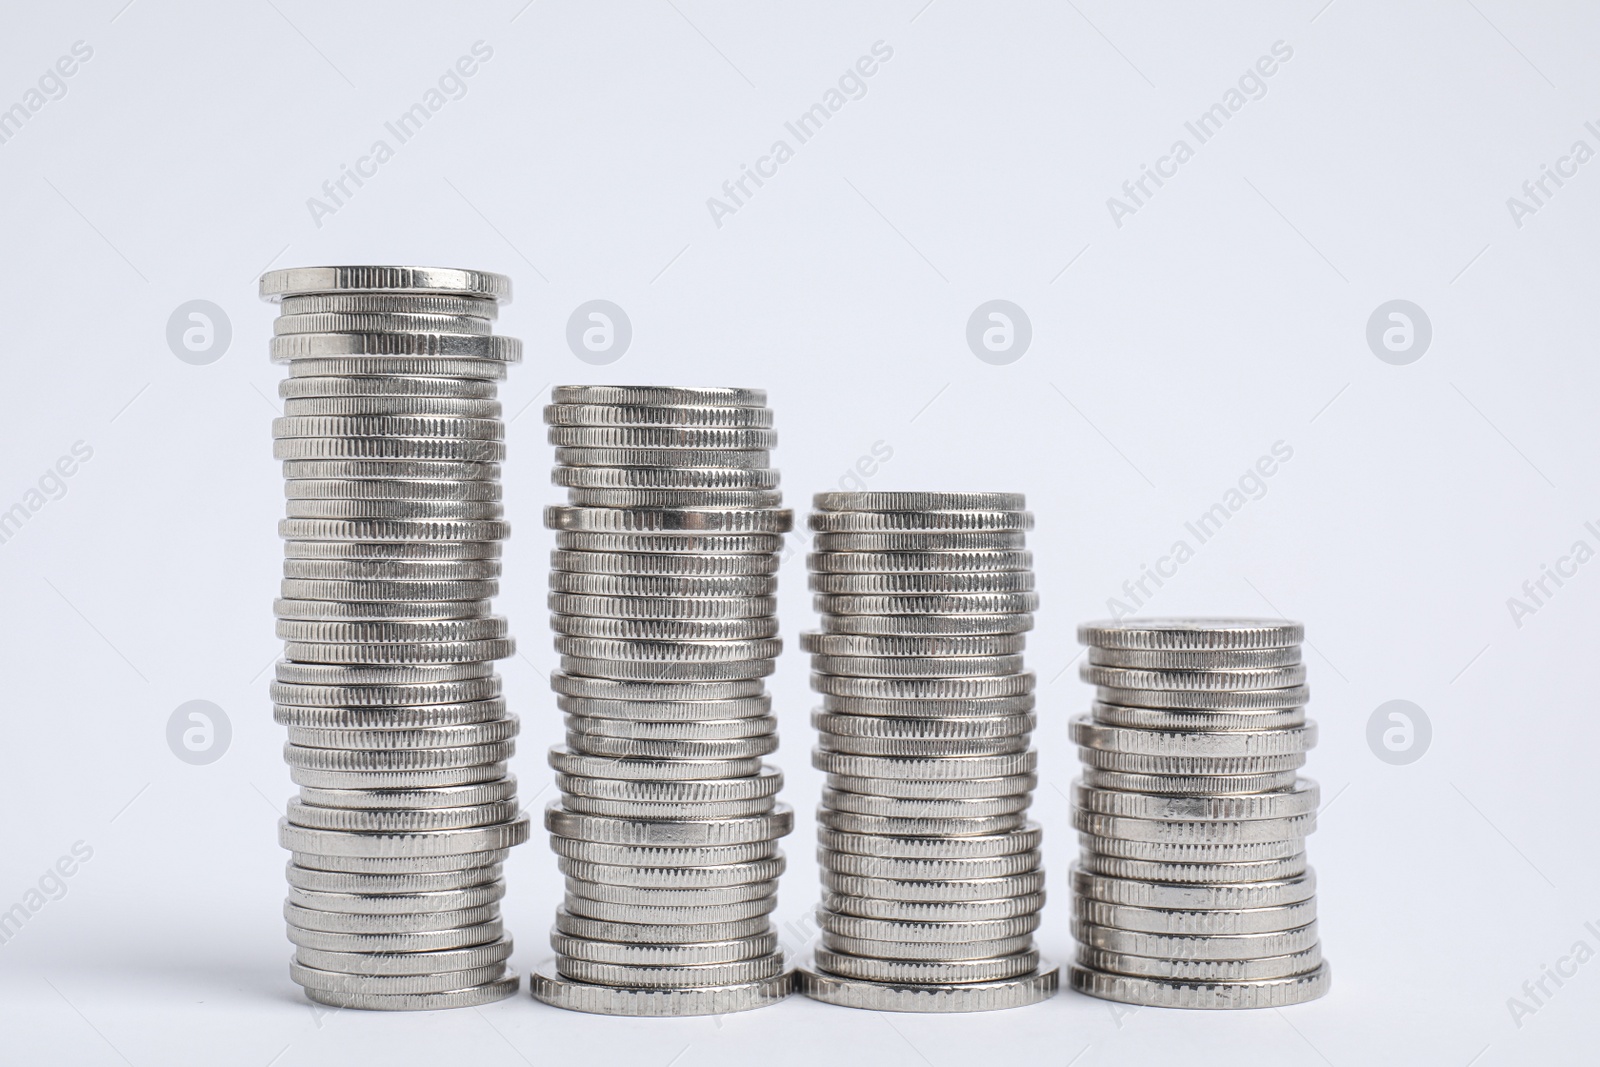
{"type": "Point", "coordinates": [661, 589]}
{"type": "Point", "coordinates": [391, 444]}
{"type": "Point", "coordinates": [1192, 890]}
{"type": "Point", "coordinates": [931, 878]}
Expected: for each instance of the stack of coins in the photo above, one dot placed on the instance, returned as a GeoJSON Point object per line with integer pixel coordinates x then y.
{"type": "Point", "coordinates": [398, 737]}
{"type": "Point", "coordinates": [661, 589]}
{"type": "Point", "coordinates": [931, 873]}
{"type": "Point", "coordinates": [1192, 890]}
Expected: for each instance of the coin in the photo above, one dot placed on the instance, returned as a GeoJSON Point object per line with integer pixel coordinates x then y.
{"type": "Point", "coordinates": [1167, 993]}
{"type": "Point", "coordinates": [599, 999]}
{"type": "Point", "coordinates": [1043, 983]}
{"type": "Point", "coordinates": [1191, 634]}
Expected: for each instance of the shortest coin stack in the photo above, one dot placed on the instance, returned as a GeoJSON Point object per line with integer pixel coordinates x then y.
{"type": "Point", "coordinates": [391, 444]}
{"type": "Point", "coordinates": [1192, 890]}
{"type": "Point", "coordinates": [930, 867]}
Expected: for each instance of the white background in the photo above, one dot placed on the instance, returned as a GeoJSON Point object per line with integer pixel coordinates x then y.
{"type": "Point", "coordinates": [1228, 313]}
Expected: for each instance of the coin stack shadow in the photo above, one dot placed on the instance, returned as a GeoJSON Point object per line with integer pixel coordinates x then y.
{"type": "Point", "coordinates": [1192, 890]}
{"type": "Point", "coordinates": [391, 442]}
{"type": "Point", "coordinates": [661, 589]}
{"type": "Point", "coordinates": [931, 873]}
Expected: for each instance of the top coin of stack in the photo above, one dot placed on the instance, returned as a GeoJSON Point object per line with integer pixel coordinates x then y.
{"type": "Point", "coordinates": [661, 589]}
{"type": "Point", "coordinates": [1192, 890]}
{"type": "Point", "coordinates": [398, 737]}
{"type": "Point", "coordinates": [931, 880]}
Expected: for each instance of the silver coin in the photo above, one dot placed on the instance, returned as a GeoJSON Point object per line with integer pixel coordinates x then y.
{"type": "Point", "coordinates": [1193, 873]}
{"type": "Point", "coordinates": [1234, 743]}
{"type": "Point", "coordinates": [922, 747]}
{"type": "Point", "coordinates": [644, 809]}
{"type": "Point", "coordinates": [474, 996]}
{"type": "Point", "coordinates": [474, 450]}
{"type": "Point", "coordinates": [893, 807]}
{"type": "Point", "coordinates": [1191, 634]}
{"type": "Point", "coordinates": [628, 670]}
{"type": "Point", "coordinates": [925, 997]}
{"type": "Point", "coordinates": [619, 607]}
{"type": "Point", "coordinates": [378, 322]}
{"type": "Point", "coordinates": [1216, 895]}
{"type": "Point", "coordinates": [418, 941]}
{"type": "Point", "coordinates": [918, 826]}
{"type": "Point", "coordinates": [650, 585]}
{"type": "Point", "coordinates": [597, 999]}
{"type": "Point", "coordinates": [669, 520]}
{"type": "Point", "coordinates": [401, 865]}
{"type": "Point", "coordinates": [731, 458]}
{"type": "Point", "coordinates": [671, 833]}
{"type": "Point", "coordinates": [431, 652]}
{"type": "Point", "coordinates": [1137, 763]}
{"type": "Point", "coordinates": [662, 855]}
{"type": "Point", "coordinates": [964, 728]}
{"type": "Point", "coordinates": [921, 541]}
{"type": "Point", "coordinates": [289, 348]}
{"type": "Point", "coordinates": [394, 883]}
{"type": "Point", "coordinates": [1194, 832]}
{"type": "Point", "coordinates": [724, 396]}
{"type": "Point", "coordinates": [761, 786]}
{"type": "Point", "coordinates": [665, 564]}
{"type": "Point", "coordinates": [1189, 785]}
{"type": "Point", "coordinates": [713, 952]}
{"type": "Point", "coordinates": [1197, 659]}
{"type": "Point", "coordinates": [665, 477]}
{"type": "Point", "coordinates": [389, 303]}
{"type": "Point", "coordinates": [824, 644]}
{"type": "Point", "coordinates": [366, 904]}
{"type": "Point", "coordinates": [1166, 993]}
{"type": "Point", "coordinates": [380, 387]}
{"type": "Point", "coordinates": [759, 874]}
{"type": "Point", "coordinates": [299, 281]}
{"type": "Point", "coordinates": [920, 521]}
{"type": "Point", "coordinates": [610, 689]}
{"type": "Point", "coordinates": [694, 730]}
{"type": "Point", "coordinates": [392, 820]}
{"type": "Point", "coordinates": [390, 489]}
{"type": "Point", "coordinates": [918, 501]}
{"type": "Point", "coordinates": [440, 961]}
{"type": "Point", "coordinates": [922, 951]}
{"type": "Point", "coordinates": [936, 769]}
{"type": "Point", "coordinates": [921, 584]}
{"type": "Point", "coordinates": [421, 759]}
{"type": "Point", "coordinates": [397, 779]}
{"type": "Point", "coordinates": [637, 438]}
{"type": "Point", "coordinates": [485, 370]}
{"type": "Point", "coordinates": [926, 688]}
{"type": "Point", "coordinates": [1199, 970]}
{"type": "Point", "coordinates": [431, 843]}
{"type": "Point", "coordinates": [442, 982]}
{"type": "Point", "coordinates": [1303, 799]}
{"type": "Point", "coordinates": [1200, 923]}
{"type": "Point", "coordinates": [674, 498]}
{"type": "Point", "coordinates": [1163, 719]}
{"type": "Point", "coordinates": [980, 845]}
{"type": "Point", "coordinates": [1193, 852]}
{"type": "Point", "coordinates": [923, 972]}
{"type": "Point", "coordinates": [583, 764]}
{"type": "Point", "coordinates": [668, 651]}
{"type": "Point", "coordinates": [929, 625]}
{"type": "Point", "coordinates": [389, 717]}
{"type": "Point", "coordinates": [1186, 947]}
{"type": "Point", "coordinates": [669, 544]}
{"type": "Point", "coordinates": [658, 933]}
{"type": "Point", "coordinates": [1006, 786]}
{"type": "Point", "coordinates": [380, 610]}
{"type": "Point", "coordinates": [661, 897]}
{"type": "Point", "coordinates": [933, 911]}
{"type": "Point", "coordinates": [953, 931]}
{"type": "Point", "coordinates": [392, 550]}
{"type": "Point", "coordinates": [892, 707]}
{"type": "Point", "coordinates": [359, 696]}
{"type": "Point", "coordinates": [393, 569]}
{"type": "Point", "coordinates": [662, 915]}
{"type": "Point", "coordinates": [962, 604]}
{"type": "Point", "coordinates": [944, 890]}
{"type": "Point", "coordinates": [666, 711]}
{"type": "Point", "coordinates": [636, 748]}
{"type": "Point", "coordinates": [916, 666]}
{"type": "Point", "coordinates": [1193, 681]}
{"type": "Point", "coordinates": [927, 870]}
{"type": "Point", "coordinates": [560, 414]}
{"type": "Point", "coordinates": [750, 629]}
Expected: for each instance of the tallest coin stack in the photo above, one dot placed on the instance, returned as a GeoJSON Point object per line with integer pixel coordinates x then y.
{"type": "Point", "coordinates": [661, 593]}
{"type": "Point", "coordinates": [398, 737]}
